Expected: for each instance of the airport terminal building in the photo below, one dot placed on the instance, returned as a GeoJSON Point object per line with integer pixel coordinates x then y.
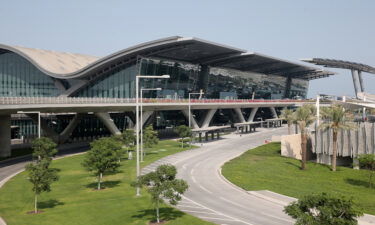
{"type": "Point", "coordinates": [222, 72]}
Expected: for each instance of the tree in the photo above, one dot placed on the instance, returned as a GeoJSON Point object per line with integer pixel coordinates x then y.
{"type": "Point", "coordinates": [184, 132]}
{"type": "Point", "coordinates": [102, 157]}
{"type": "Point", "coordinates": [128, 137]}
{"type": "Point", "coordinates": [162, 184]}
{"type": "Point", "coordinates": [150, 137]}
{"type": "Point", "coordinates": [335, 119]}
{"type": "Point", "coordinates": [322, 209]}
{"type": "Point", "coordinates": [287, 115]}
{"type": "Point", "coordinates": [43, 149]}
{"type": "Point", "coordinates": [41, 176]}
{"type": "Point", "coordinates": [304, 116]}
{"type": "Point", "coordinates": [367, 161]}
{"type": "Point", "coordinates": [39, 173]}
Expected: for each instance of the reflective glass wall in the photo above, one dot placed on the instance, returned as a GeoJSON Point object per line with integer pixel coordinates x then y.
{"type": "Point", "coordinates": [185, 78]}
{"type": "Point", "coordinates": [118, 83]}
{"type": "Point", "coordinates": [20, 78]}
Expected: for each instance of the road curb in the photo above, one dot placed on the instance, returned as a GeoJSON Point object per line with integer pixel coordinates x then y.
{"type": "Point", "coordinates": [367, 219]}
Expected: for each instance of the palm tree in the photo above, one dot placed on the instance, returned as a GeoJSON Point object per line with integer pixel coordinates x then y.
{"type": "Point", "coordinates": [304, 116]}
{"type": "Point", "coordinates": [335, 118]}
{"type": "Point", "coordinates": [287, 115]}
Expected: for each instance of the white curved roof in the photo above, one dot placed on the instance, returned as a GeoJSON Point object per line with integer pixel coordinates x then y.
{"type": "Point", "coordinates": [56, 62]}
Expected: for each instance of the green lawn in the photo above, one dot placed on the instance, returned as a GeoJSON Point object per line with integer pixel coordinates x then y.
{"type": "Point", "coordinates": [264, 169]}
{"type": "Point", "coordinates": [73, 200]}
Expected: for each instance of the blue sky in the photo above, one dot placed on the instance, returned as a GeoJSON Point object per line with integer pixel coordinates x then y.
{"type": "Point", "coordinates": [340, 29]}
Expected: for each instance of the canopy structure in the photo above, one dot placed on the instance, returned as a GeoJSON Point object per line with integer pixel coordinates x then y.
{"type": "Point", "coordinates": [187, 49]}
{"type": "Point", "coordinates": [356, 69]}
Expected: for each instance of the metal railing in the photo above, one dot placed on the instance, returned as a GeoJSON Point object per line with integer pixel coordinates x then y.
{"type": "Point", "coordinates": [81, 100]}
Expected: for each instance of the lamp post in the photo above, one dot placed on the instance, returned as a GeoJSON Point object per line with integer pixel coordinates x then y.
{"type": "Point", "coordinates": [137, 78]}
{"type": "Point", "coordinates": [197, 93]}
{"type": "Point", "coordinates": [141, 113]}
{"type": "Point", "coordinates": [37, 112]}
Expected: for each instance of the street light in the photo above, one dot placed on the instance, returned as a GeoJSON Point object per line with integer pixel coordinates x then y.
{"type": "Point", "coordinates": [141, 113]}
{"type": "Point", "coordinates": [37, 112]}
{"type": "Point", "coordinates": [137, 114]}
{"type": "Point", "coordinates": [200, 95]}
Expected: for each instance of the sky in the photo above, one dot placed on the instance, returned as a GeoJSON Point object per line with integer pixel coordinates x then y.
{"type": "Point", "coordinates": [292, 30]}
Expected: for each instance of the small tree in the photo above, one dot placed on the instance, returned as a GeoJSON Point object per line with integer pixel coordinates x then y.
{"type": "Point", "coordinates": [41, 176]}
{"type": "Point", "coordinates": [184, 132]}
{"type": "Point", "coordinates": [43, 149]}
{"type": "Point", "coordinates": [287, 115]}
{"type": "Point", "coordinates": [335, 119]}
{"type": "Point", "coordinates": [128, 137]}
{"type": "Point", "coordinates": [39, 173]}
{"type": "Point", "coordinates": [304, 116]}
{"type": "Point", "coordinates": [150, 137]}
{"type": "Point", "coordinates": [102, 157]}
{"type": "Point", "coordinates": [367, 161]}
{"type": "Point", "coordinates": [162, 184]}
{"type": "Point", "coordinates": [322, 209]}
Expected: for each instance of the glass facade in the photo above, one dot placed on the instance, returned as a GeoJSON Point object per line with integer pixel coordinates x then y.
{"type": "Point", "coordinates": [183, 79]}
{"type": "Point", "coordinates": [118, 83]}
{"type": "Point", "coordinates": [217, 83]}
{"type": "Point", "coordinates": [20, 78]}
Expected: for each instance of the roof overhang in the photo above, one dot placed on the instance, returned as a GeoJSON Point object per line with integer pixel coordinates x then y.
{"type": "Point", "coordinates": [192, 50]}
{"type": "Point", "coordinates": [333, 63]}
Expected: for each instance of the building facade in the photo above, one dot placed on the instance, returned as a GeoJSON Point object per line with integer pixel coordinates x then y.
{"type": "Point", "coordinates": [222, 72]}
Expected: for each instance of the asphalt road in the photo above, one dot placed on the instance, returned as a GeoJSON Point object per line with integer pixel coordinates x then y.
{"type": "Point", "coordinates": [212, 198]}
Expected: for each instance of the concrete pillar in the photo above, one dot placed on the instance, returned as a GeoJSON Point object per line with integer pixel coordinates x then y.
{"type": "Point", "coordinates": [70, 128]}
{"type": "Point", "coordinates": [5, 136]}
{"type": "Point", "coordinates": [206, 136]}
{"type": "Point", "coordinates": [145, 116]}
{"type": "Point", "coordinates": [108, 122]}
{"type": "Point", "coordinates": [274, 113]}
{"type": "Point", "coordinates": [208, 118]}
{"type": "Point", "coordinates": [362, 86]}
{"type": "Point", "coordinates": [355, 82]}
{"type": "Point", "coordinates": [239, 115]}
{"type": "Point", "coordinates": [192, 119]}
{"type": "Point", "coordinates": [252, 114]}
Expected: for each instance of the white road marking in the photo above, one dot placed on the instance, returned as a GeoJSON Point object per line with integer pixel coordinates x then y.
{"type": "Point", "coordinates": [192, 211]}
{"type": "Point", "coordinates": [193, 179]}
{"type": "Point", "coordinates": [214, 218]}
{"type": "Point", "coordinates": [204, 189]}
{"type": "Point", "coordinates": [234, 219]}
{"type": "Point", "coordinates": [187, 206]}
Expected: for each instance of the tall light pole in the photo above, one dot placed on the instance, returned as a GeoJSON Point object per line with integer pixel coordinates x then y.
{"type": "Point", "coordinates": [37, 112]}
{"type": "Point", "coordinates": [141, 113]}
{"type": "Point", "coordinates": [200, 95]}
{"type": "Point", "coordinates": [137, 115]}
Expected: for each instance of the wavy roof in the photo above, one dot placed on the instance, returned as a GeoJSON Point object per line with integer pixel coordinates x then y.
{"type": "Point", "coordinates": [194, 50]}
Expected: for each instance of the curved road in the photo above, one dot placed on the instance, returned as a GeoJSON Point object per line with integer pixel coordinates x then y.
{"type": "Point", "coordinates": [210, 196]}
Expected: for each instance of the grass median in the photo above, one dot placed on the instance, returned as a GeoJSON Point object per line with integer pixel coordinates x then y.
{"type": "Point", "coordinates": [263, 168]}
{"type": "Point", "coordinates": [73, 199]}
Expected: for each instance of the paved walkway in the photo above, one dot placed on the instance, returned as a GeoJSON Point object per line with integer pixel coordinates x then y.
{"type": "Point", "coordinates": [211, 197]}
